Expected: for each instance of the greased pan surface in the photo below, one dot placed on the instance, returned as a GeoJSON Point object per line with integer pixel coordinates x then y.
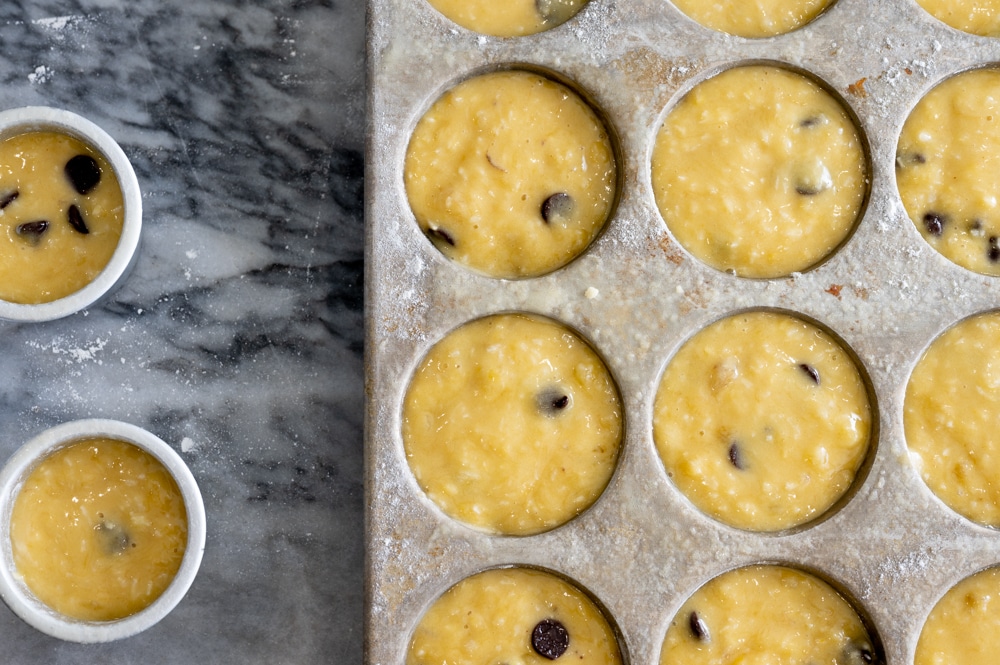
{"type": "Point", "coordinates": [637, 295]}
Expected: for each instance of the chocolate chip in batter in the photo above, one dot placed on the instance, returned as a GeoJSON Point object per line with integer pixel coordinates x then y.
{"type": "Point", "coordinates": [859, 654]}
{"type": "Point", "coordinates": [438, 235]}
{"type": "Point", "coordinates": [736, 456]}
{"type": "Point", "coordinates": [552, 401]}
{"type": "Point", "coordinates": [934, 223]}
{"type": "Point", "coordinates": [558, 206]}
{"type": "Point", "coordinates": [32, 231]}
{"type": "Point", "coordinates": [698, 628]}
{"type": "Point", "coordinates": [813, 121]}
{"type": "Point", "coordinates": [114, 538]}
{"type": "Point", "coordinates": [812, 179]}
{"type": "Point", "coordinates": [904, 159]}
{"type": "Point", "coordinates": [994, 251]}
{"type": "Point", "coordinates": [810, 371]}
{"type": "Point", "coordinates": [550, 639]}
{"type": "Point", "coordinates": [83, 172]}
{"type": "Point", "coordinates": [76, 220]}
{"type": "Point", "coordinates": [7, 199]}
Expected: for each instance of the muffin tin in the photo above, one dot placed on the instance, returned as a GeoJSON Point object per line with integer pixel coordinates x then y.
{"type": "Point", "coordinates": [636, 296]}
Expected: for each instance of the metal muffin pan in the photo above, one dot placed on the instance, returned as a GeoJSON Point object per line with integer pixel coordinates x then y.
{"type": "Point", "coordinates": [636, 295]}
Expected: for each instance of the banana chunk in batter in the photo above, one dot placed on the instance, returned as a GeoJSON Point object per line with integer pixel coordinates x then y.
{"type": "Point", "coordinates": [511, 18]}
{"type": "Point", "coordinates": [759, 171]}
{"type": "Point", "coordinates": [767, 615]}
{"type": "Point", "coordinates": [753, 18]}
{"type": "Point", "coordinates": [510, 174]}
{"type": "Point", "coordinates": [978, 17]}
{"type": "Point", "coordinates": [762, 421]}
{"type": "Point", "coordinates": [948, 169]}
{"type": "Point", "coordinates": [964, 626]}
{"type": "Point", "coordinates": [513, 615]}
{"type": "Point", "coordinates": [512, 424]}
{"type": "Point", "coordinates": [950, 414]}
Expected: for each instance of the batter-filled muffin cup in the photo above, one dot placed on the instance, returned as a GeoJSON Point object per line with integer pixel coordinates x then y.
{"type": "Point", "coordinates": [768, 614]}
{"type": "Point", "coordinates": [514, 615]}
{"type": "Point", "coordinates": [512, 424]}
{"type": "Point", "coordinates": [948, 169]}
{"type": "Point", "coordinates": [762, 420]}
{"type": "Point", "coordinates": [511, 174]}
{"type": "Point", "coordinates": [762, 18]}
{"type": "Point", "coordinates": [977, 17]}
{"type": "Point", "coordinates": [512, 18]}
{"type": "Point", "coordinates": [949, 419]}
{"type": "Point", "coordinates": [963, 628]}
{"type": "Point", "coordinates": [760, 171]}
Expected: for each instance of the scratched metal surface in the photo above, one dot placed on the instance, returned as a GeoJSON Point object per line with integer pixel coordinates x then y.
{"type": "Point", "coordinates": [642, 548]}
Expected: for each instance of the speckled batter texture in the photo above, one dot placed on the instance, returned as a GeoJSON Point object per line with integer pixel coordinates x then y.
{"type": "Point", "coordinates": [948, 169]}
{"type": "Point", "coordinates": [767, 615]}
{"type": "Point", "coordinates": [510, 174]}
{"type": "Point", "coordinates": [759, 171]}
{"type": "Point", "coordinates": [510, 18]}
{"type": "Point", "coordinates": [490, 618]}
{"type": "Point", "coordinates": [950, 415]}
{"type": "Point", "coordinates": [753, 18]}
{"type": "Point", "coordinates": [512, 424]}
{"type": "Point", "coordinates": [762, 420]}
{"type": "Point", "coordinates": [964, 626]}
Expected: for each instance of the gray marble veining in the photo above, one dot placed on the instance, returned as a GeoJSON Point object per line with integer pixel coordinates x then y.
{"type": "Point", "coordinates": [238, 336]}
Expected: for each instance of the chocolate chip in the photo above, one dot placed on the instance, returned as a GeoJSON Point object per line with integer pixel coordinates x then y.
{"type": "Point", "coordinates": [812, 121]}
{"type": "Point", "coordinates": [859, 654]}
{"type": "Point", "coordinates": [556, 206]}
{"type": "Point", "coordinates": [807, 190]}
{"type": "Point", "coordinates": [76, 220]}
{"type": "Point", "coordinates": [551, 401]}
{"type": "Point", "coordinates": [83, 172]}
{"type": "Point", "coordinates": [736, 456]}
{"type": "Point", "coordinates": [904, 159]}
{"type": "Point", "coordinates": [8, 199]}
{"type": "Point", "coordinates": [32, 231]}
{"type": "Point", "coordinates": [114, 538]}
{"type": "Point", "coordinates": [994, 251]}
{"type": "Point", "coordinates": [438, 235]}
{"type": "Point", "coordinates": [698, 627]}
{"type": "Point", "coordinates": [810, 371]}
{"type": "Point", "coordinates": [550, 639]}
{"type": "Point", "coordinates": [934, 223]}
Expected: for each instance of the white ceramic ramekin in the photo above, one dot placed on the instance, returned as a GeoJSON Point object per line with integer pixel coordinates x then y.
{"type": "Point", "coordinates": [43, 118]}
{"type": "Point", "coordinates": [16, 594]}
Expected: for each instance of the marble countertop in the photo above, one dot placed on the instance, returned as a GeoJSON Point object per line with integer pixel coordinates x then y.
{"type": "Point", "coordinates": [238, 336]}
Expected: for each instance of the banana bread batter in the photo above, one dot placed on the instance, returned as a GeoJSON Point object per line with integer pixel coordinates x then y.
{"type": "Point", "coordinates": [767, 615]}
{"type": "Point", "coordinates": [61, 215]}
{"type": "Point", "coordinates": [510, 18]}
{"type": "Point", "coordinates": [759, 171]}
{"type": "Point", "coordinates": [762, 420]}
{"type": "Point", "coordinates": [510, 174]}
{"type": "Point", "coordinates": [512, 424]}
{"type": "Point", "coordinates": [950, 413]}
{"type": "Point", "coordinates": [978, 17]}
{"type": "Point", "coordinates": [948, 169]}
{"type": "Point", "coordinates": [98, 530]}
{"type": "Point", "coordinates": [753, 18]}
{"type": "Point", "coordinates": [964, 626]}
{"type": "Point", "coordinates": [513, 615]}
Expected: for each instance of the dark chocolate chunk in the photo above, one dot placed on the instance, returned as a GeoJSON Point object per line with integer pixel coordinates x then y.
{"type": "Point", "coordinates": [904, 159]}
{"type": "Point", "coordinates": [83, 172]}
{"type": "Point", "coordinates": [736, 456]}
{"type": "Point", "coordinates": [698, 628]}
{"type": "Point", "coordinates": [811, 121]}
{"type": "Point", "coordinates": [934, 223]}
{"type": "Point", "coordinates": [859, 654]}
{"type": "Point", "coordinates": [7, 199]}
{"type": "Point", "coordinates": [994, 251]}
{"type": "Point", "coordinates": [439, 235]}
{"type": "Point", "coordinates": [114, 538]}
{"type": "Point", "coordinates": [76, 220]}
{"type": "Point", "coordinates": [810, 371]}
{"type": "Point", "coordinates": [807, 190]}
{"type": "Point", "coordinates": [556, 206]}
{"type": "Point", "coordinates": [551, 401]}
{"type": "Point", "coordinates": [32, 231]}
{"type": "Point", "coordinates": [550, 639]}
